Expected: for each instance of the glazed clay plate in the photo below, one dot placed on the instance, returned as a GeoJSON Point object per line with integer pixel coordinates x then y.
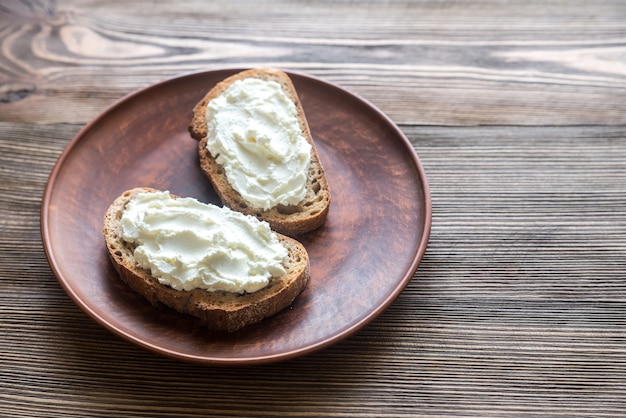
{"type": "Point", "coordinates": [361, 259]}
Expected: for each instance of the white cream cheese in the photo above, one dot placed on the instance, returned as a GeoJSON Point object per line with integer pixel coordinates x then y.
{"type": "Point", "coordinates": [189, 245]}
{"type": "Point", "coordinates": [254, 134]}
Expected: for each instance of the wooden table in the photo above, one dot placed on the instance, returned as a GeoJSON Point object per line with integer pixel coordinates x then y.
{"type": "Point", "coordinates": [517, 111]}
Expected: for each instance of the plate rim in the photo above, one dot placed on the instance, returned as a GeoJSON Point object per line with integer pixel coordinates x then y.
{"type": "Point", "coordinates": [349, 330]}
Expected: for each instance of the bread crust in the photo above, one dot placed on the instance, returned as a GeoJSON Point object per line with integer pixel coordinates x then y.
{"type": "Point", "coordinates": [219, 311]}
{"type": "Point", "coordinates": [290, 220]}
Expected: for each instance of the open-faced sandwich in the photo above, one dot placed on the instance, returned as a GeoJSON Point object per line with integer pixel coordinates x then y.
{"type": "Point", "coordinates": [256, 149]}
{"type": "Point", "coordinates": [226, 268]}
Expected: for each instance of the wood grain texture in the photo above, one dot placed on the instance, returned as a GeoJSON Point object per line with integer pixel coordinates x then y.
{"type": "Point", "coordinates": [528, 64]}
{"type": "Point", "coordinates": [516, 110]}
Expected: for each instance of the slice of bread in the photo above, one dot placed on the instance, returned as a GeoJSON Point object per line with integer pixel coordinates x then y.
{"type": "Point", "coordinates": [290, 220]}
{"type": "Point", "coordinates": [220, 311]}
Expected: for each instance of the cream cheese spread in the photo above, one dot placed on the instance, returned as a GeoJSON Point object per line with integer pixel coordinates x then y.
{"type": "Point", "coordinates": [189, 245]}
{"type": "Point", "coordinates": [254, 134]}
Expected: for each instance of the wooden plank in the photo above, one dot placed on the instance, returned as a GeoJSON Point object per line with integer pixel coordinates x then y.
{"type": "Point", "coordinates": [509, 314]}
{"type": "Point", "coordinates": [516, 110]}
{"type": "Point", "coordinates": [516, 63]}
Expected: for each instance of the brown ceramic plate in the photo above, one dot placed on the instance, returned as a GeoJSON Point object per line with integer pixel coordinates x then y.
{"type": "Point", "coordinates": [361, 259]}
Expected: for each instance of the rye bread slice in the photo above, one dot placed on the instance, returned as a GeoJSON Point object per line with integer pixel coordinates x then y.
{"type": "Point", "coordinates": [291, 220]}
{"type": "Point", "coordinates": [220, 311]}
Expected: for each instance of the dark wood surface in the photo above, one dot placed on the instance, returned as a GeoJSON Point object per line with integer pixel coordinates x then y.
{"type": "Point", "coordinates": [517, 111]}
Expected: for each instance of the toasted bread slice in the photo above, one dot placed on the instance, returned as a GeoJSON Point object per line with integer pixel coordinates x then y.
{"type": "Point", "coordinates": [291, 220]}
{"type": "Point", "coordinates": [220, 311]}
